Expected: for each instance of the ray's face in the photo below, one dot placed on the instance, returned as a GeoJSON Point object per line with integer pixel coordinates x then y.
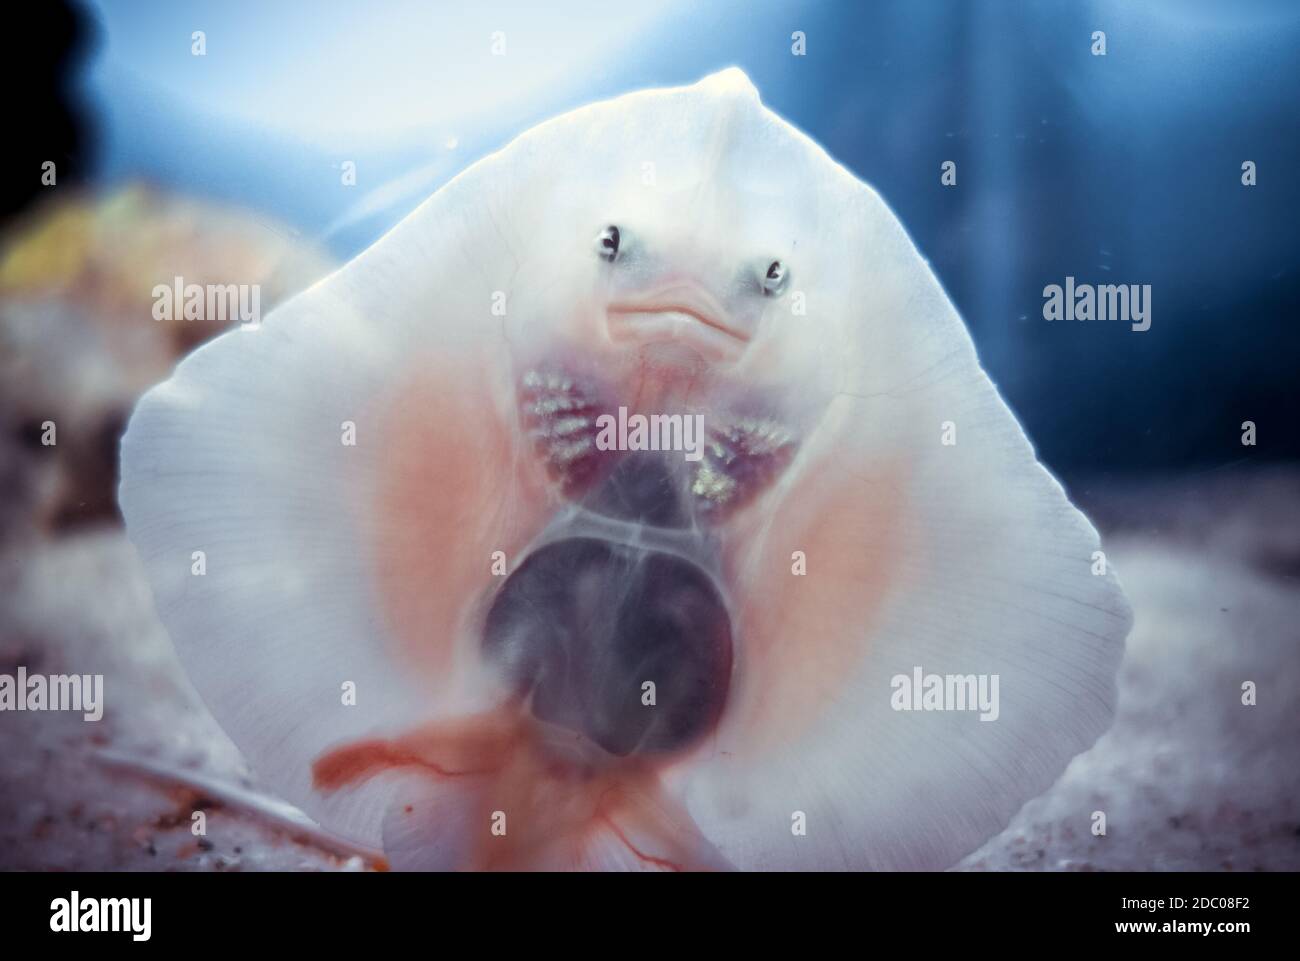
{"type": "Point", "coordinates": [671, 315]}
{"type": "Point", "coordinates": [712, 302]}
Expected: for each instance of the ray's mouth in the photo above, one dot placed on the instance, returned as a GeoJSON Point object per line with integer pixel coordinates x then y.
{"type": "Point", "coordinates": [677, 316]}
{"type": "Point", "coordinates": [678, 313]}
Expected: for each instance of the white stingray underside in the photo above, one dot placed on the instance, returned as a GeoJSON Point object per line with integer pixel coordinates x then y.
{"type": "Point", "coordinates": [961, 559]}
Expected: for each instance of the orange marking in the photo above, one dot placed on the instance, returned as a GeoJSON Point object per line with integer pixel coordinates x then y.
{"type": "Point", "coordinates": [456, 486]}
{"type": "Point", "coordinates": [647, 858]}
{"type": "Point", "coordinates": [462, 748]}
{"type": "Point", "coordinates": [800, 637]}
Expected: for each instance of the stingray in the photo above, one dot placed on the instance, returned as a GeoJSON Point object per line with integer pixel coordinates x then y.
{"type": "Point", "coordinates": [436, 613]}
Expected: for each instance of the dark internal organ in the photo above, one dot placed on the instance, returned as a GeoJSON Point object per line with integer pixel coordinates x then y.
{"type": "Point", "coordinates": [643, 487]}
{"type": "Point", "coordinates": [627, 646]}
{"type": "Point", "coordinates": [742, 455]}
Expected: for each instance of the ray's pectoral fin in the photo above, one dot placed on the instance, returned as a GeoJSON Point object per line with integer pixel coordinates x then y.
{"type": "Point", "coordinates": [490, 795]}
{"type": "Point", "coordinates": [885, 555]}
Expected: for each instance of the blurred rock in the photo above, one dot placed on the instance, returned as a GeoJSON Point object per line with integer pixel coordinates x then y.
{"type": "Point", "coordinates": [78, 338]}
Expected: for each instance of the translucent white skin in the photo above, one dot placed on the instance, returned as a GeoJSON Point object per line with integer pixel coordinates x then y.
{"type": "Point", "coordinates": [328, 563]}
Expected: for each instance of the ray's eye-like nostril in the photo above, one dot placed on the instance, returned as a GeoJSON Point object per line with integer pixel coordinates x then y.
{"type": "Point", "coordinates": [607, 243]}
{"type": "Point", "coordinates": [775, 280]}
